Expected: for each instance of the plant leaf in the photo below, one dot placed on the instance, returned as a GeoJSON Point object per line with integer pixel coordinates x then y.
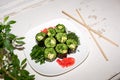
{"type": "Point", "coordinates": [1, 27]}
{"type": "Point", "coordinates": [7, 29]}
{"type": "Point", "coordinates": [24, 72]}
{"type": "Point", "coordinates": [23, 61]}
{"type": "Point", "coordinates": [15, 61]}
{"type": "Point", "coordinates": [8, 45]}
{"type": "Point", "coordinates": [23, 67]}
{"type": "Point", "coordinates": [20, 42]}
{"type": "Point", "coordinates": [11, 22]}
{"type": "Point", "coordinates": [6, 18]}
{"type": "Point", "coordinates": [11, 36]}
{"type": "Point", "coordinates": [20, 38]}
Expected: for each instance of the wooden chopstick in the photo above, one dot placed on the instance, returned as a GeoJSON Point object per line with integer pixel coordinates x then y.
{"type": "Point", "coordinates": [78, 12]}
{"type": "Point", "coordinates": [101, 50]}
{"type": "Point", "coordinates": [86, 26]}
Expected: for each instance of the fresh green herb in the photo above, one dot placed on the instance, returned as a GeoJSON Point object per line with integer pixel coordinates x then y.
{"type": "Point", "coordinates": [38, 54]}
{"type": "Point", "coordinates": [10, 66]}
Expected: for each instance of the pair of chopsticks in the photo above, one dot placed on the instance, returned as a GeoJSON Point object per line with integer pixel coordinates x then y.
{"type": "Point", "coordinates": [93, 37]}
{"type": "Point", "coordinates": [83, 23]}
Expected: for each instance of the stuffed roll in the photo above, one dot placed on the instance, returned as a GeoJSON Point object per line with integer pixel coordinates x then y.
{"type": "Point", "coordinates": [72, 45]}
{"type": "Point", "coordinates": [50, 42]}
{"type": "Point", "coordinates": [51, 32]}
{"type": "Point", "coordinates": [40, 36]}
{"type": "Point", "coordinates": [60, 28]}
{"type": "Point", "coordinates": [50, 54]}
{"type": "Point", "coordinates": [62, 50]}
{"type": "Point", "coordinates": [61, 37]}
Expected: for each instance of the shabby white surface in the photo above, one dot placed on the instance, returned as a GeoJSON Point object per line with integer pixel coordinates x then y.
{"type": "Point", "coordinates": [101, 15]}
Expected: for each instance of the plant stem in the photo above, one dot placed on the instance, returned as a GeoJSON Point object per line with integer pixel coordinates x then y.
{"type": "Point", "coordinates": [9, 74]}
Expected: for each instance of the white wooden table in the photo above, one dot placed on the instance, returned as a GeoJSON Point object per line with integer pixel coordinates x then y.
{"type": "Point", "coordinates": [101, 15]}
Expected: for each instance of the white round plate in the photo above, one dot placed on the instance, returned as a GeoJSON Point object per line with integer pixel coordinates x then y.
{"type": "Point", "coordinates": [53, 68]}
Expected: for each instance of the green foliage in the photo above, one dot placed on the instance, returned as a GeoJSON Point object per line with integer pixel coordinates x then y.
{"type": "Point", "coordinates": [10, 66]}
{"type": "Point", "coordinates": [38, 54]}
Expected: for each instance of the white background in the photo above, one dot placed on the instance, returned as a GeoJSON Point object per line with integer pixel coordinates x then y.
{"type": "Point", "coordinates": [101, 15]}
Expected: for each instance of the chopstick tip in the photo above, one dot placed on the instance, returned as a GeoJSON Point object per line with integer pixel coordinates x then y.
{"type": "Point", "coordinates": [117, 45]}
{"type": "Point", "coordinates": [62, 11]}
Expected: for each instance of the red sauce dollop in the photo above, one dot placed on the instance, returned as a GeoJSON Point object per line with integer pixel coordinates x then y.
{"type": "Point", "coordinates": [66, 62]}
{"type": "Point", "coordinates": [45, 30]}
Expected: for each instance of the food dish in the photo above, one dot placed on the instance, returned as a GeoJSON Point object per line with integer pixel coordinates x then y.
{"type": "Point", "coordinates": [52, 68]}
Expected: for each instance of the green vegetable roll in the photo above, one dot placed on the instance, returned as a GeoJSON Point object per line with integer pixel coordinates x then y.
{"type": "Point", "coordinates": [50, 42]}
{"type": "Point", "coordinates": [72, 44]}
{"type": "Point", "coordinates": [60, 28]}
{"type": "Point", "coordinates": [62, 50]}
{"type": "Point", "coordinates": [61, 37]}
{"type": "Point", "coordinates": [50, 54]}
{"type": "Point", "coordinates": [40, 36]}
{"type": "Point", "coordinates": [51, 32]}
